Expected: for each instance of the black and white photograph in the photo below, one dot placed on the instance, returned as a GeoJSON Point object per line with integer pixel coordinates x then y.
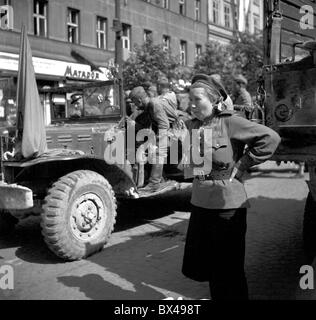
{"type": "Point", "coordinates": [158, 150]}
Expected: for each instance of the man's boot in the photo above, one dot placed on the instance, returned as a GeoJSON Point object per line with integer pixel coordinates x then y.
{"type": "Point", "coordinates": [156, 183]}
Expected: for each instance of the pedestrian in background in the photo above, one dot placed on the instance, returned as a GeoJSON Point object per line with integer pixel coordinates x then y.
{"type": "Point", "coordinates": [165, 93]}
{"type": "Point", "coordinates": [242, 98]}
{"type": "Point", "coordinates": [215, 242]}
{"type": "Point", "coordinates": [152, 91]}
{"type": "Point", "coordinates": [228, 103]}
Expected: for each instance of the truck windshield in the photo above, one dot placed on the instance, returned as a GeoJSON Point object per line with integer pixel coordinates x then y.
{"type": "Point", "coordinates": [82, 102]}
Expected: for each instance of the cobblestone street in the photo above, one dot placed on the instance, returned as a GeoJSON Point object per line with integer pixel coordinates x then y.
{"type": "Point", "coordinates": [144, 256]}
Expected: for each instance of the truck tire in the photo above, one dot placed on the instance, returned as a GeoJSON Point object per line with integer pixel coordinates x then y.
{"type": "Point", "coordinates": [7, 222]}
{"type": "Point", "coordinates": [78, 215]}
{"type": "Point", "coordinates": [309, 226]}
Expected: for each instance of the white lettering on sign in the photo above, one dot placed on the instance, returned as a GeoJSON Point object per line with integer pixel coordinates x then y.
{"type": "Point", "coordinates": [86, 75]}
{"type": "Point", "coordinates": [42, 66]}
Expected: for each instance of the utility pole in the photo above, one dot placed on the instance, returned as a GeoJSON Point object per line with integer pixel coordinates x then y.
{"type": "Point", "coordinates": [117, 27]}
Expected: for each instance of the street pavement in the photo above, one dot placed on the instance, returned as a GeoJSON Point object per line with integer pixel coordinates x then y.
{"type": "Point", "coordinates": [143, 259]}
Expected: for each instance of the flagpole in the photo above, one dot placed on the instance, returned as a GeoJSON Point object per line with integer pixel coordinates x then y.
{"type": "Point", "coordinates": [119, 53]}
{"type": "Point", "coordinates": [19, 93]}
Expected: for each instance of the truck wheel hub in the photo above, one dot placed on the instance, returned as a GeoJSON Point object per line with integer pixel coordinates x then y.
{"type": "Point", "coordinates": [88, 216]}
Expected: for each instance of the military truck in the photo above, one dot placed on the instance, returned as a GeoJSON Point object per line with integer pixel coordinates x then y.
{"type": "Point", "coordinates": [74, 187]}
{"type": "Point", "coordinates": [287, 92]}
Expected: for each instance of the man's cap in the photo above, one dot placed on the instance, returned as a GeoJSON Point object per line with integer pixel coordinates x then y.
{"type": "Point", "coordinates": [137, 93]}
{"type": "Point", "coordinates": [241, 79]}
{"type": "Point", "coordinates": [147, 84]}
{"type": "Point", "coordinates": [152, 88]}
{"type": "Point", "coordinates": [210, 82]}
{"type": "Point", "coordinates": [163, 82]}
{"type": "Point", "coordinates": [75, 97]}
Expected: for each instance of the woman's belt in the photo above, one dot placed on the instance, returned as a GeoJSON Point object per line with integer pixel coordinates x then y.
{"type": "Point", "coordinates": [215, 175]}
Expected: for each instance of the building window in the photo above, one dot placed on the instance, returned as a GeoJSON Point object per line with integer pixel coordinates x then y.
{"type": "Point", "coordinates": [165, 4]}
{"type": "Point", "coordinates": [215, 12]}
{"type": "Point", "coordinates": [183, 53]}
{"type": "Point", "coordinates": [148, 35]}
{"type": "Point", "coordinates": [182, 7]}
{"type": "Point", "coordinates": [73, 25]}
{"type": "Point", "coordinates": [198, 50]}
{"type": "Point", "coordinates": [101, 33]}
{"type": "Point", "coordinates": [40, 18]}
{"type": "Point", "coordinates": [197, 10]}
{"type": "Point", "coordinates": [166, 43]}
{"type": "Point", "coordinates": [126, 37]}
{"type": "Point", "coordinates": [227, 15]}
{"type": "Point", "coordinates": [256, 24]}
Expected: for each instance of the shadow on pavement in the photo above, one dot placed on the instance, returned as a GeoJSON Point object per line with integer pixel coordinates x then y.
{"type": "Point", "coordinates": [134, 212]}
{"type": "Point", "coordinates": [28, 240]}
{"type": "Point", "coordinates": [149, 266]}
{"type": "Point", "coordinates": [31, 247]}
{"type": "Point", "coordinates": [274, 253]}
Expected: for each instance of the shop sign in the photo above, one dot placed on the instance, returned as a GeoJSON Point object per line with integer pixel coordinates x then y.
{"type": "Point", "coordinates": [49, 67]}
{"type": "Point", "coordinates": [81, 74]}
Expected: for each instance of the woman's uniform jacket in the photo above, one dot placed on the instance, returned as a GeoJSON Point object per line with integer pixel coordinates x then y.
{"type": "Point", "coordinates": [230, 135]}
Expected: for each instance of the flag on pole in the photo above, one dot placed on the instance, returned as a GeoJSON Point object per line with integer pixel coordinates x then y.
{"type": "Point", "coordinates": [30, 127]}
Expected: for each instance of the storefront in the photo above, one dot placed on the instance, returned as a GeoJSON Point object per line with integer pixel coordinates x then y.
{"type": "Point", "coordinates": [49, 73]}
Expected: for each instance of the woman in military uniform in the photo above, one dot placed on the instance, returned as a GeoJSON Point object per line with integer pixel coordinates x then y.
{"type": "Point", "coordinates": [215, 244]}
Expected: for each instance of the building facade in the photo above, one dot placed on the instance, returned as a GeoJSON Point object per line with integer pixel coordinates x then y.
{"type": "Point", "coordinates": [181, 25]}
{"type": "Point", "coordinates": [227, 16]}
{"type": "Point", "coordinates": [73, 40]}
{"type": "Point", "coordinates": [58, 27]}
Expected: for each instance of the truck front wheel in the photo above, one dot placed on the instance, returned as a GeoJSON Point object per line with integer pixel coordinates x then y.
{"type": "Point", "coordinates": [78, 215]}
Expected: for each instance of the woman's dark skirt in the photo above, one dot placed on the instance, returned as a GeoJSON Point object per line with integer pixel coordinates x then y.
{"type": "Point", "coordinates": [215, 250]}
